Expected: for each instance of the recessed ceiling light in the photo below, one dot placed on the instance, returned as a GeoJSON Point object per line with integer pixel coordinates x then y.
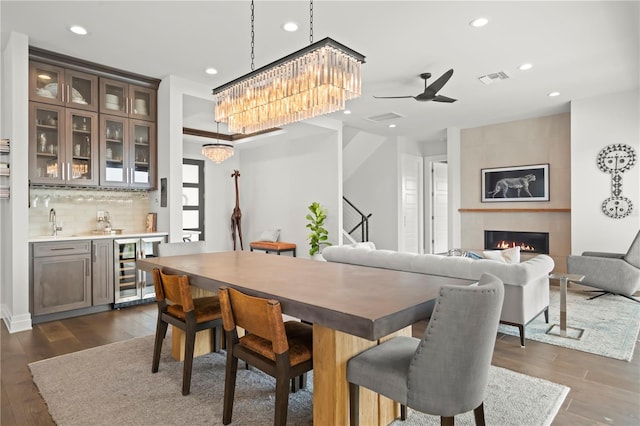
{"type": "Point", "coordinates": [552, 94]}
{"type": "Point", "coordinates": [290, 26]}
{"type": "Point", "coordinates": [479, 22]}
{"type": "Point", "coordinates": [211, 71]}
{"type": "Point", "coordinates": [392, 126]}
{"type": "Point", "coordinates": [77, 29]}
{"type": "Point", "coordinates": [347, 111]}
{"type": "Point", "coordinates": [525, 67]}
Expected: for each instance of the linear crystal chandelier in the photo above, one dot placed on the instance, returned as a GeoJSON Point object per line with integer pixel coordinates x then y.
{"type": "Point", "coordinates": [312, 81]}
{"type": "Point", "coordinates": [217, 152]}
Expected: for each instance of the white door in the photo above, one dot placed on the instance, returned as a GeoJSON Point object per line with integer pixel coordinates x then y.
{"type": "Point", "coordinates": [410, 215]}
{"type": "Point", "coordinates": [439, 195]}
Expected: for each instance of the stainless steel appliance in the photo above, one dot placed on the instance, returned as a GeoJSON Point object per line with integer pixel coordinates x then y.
{"type": "Point", "coordinates": [133, 286]}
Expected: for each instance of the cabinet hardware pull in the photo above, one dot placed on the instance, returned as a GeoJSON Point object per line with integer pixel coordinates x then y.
{"type": "Point", "coordinates": [69, 171]}
{"type": "Point", "coordinates": [68, 92]}
{"type": "Point", "coordinates": [62, 167]}
{"type": "Point", "coordinates": [62, 248]}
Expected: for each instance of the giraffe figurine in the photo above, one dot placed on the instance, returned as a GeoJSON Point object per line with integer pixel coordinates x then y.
{"type": "Point", "coordinates": [236, 216]}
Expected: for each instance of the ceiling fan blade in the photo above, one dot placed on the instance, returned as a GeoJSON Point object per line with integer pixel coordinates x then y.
{"type": "Point", "coordinates": [440, 98]}
{"type": "Point", "coordinates": [392, 97]}
{"type": "Point", "coordinates": [441, 81]}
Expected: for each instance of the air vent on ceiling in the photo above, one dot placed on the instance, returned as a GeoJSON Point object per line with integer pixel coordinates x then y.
{"type": "Point", "coordinates": [494, 76]}
{"type": "Point", "coordinates": [385, 117]}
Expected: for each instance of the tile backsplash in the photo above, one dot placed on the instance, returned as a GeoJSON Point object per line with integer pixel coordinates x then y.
{"type": "Point", "coordinates": [77, 210]}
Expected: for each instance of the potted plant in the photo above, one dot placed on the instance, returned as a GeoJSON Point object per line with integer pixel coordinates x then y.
{"type": "Point", "coordinates": [318, 235]}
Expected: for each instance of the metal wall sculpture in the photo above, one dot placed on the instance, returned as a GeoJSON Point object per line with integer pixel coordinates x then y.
{"type": "Point", "coordinates": [616, 159]}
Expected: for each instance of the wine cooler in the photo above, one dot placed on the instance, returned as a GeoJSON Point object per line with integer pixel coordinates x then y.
{"type": "Point", "coordinates": [133, 286]}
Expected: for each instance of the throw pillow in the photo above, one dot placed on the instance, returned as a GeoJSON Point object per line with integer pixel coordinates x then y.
{"type": "Point", "coordinates": [473, 255]}
{"type": "Point", "coordinates": [511, 255]}
{"type": "Point", "coordinates": [270, 235]}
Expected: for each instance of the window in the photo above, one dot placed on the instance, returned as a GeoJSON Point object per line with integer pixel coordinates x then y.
{"type": "Point", "coordinates": [192, 199]}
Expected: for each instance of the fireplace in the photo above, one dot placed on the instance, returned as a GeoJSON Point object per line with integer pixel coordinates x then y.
{"type": "Point", "coordinates": [529, 242]}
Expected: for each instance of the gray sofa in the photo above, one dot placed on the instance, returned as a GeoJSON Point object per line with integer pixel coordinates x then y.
{"type": "Point", "coordinates": [526, 284]}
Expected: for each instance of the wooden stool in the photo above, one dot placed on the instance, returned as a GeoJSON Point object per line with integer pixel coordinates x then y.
{"type": "Point", "coordinates": [278, 247]}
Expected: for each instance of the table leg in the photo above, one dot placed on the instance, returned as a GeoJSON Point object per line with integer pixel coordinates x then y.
{"type": "Point", "coordinates": [563, 307]}
{"type": "Point", "coordinates": [331, 351]}
{"type": "Point", "coordinates": [561, 329]}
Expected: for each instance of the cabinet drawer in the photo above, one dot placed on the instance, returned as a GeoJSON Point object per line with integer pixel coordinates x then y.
{"type": "Point", "coordinates": [61, 248]}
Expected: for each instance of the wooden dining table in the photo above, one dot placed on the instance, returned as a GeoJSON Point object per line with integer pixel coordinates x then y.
{"type": "Point", "coordinates": [352, 308]}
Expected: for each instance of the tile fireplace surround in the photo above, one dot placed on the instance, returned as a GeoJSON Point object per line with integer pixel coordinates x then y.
{"type": "Point", "coordinates": [542, 140]}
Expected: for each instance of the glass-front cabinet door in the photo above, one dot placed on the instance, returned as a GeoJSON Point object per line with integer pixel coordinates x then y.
{"type": "Point", "coordinates": [127, 100]}
{"type": "Point", "coordinates": [142, 103]}
{"type": "Point", "coordinates": [143, 153]}
{"type": "Point", "coordinates": [63, 146]}
{"type": "Point", "coordinates": [114, 151]}
{"type": "Point", "coordinates": [56, 85]}
{"type": "Point", "coordinates": [82, 148]}
{"type": "Point", "coordinates": [81, 90]}
{"type": "Point", "coordinates": [113, 97]}
{"type": "Point", "coordinates": [46, 144]}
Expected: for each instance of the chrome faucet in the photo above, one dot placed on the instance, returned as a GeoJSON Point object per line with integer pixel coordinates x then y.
{"type": "Point", "coordinates": [107, 221]}
{"type": "Point", "coordinates": [54, 223]}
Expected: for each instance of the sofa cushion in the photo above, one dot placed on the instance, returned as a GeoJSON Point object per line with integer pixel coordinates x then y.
{"type": "Point", "coordinates": [511, 255]}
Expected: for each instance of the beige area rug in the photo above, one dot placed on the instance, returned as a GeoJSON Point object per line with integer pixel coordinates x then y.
{"type": "Point", "coordinates": [113, 384]}
{"type": "Point", "coordinates": [611, 324]}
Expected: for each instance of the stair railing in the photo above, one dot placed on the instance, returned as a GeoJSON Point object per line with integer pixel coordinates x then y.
{"type": "Point", "coordinates": [355, 220]}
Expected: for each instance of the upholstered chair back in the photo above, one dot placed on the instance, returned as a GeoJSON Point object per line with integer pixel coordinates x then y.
{"type": "Point", "coordinates": [633, 255]}
{"type": "Point", "coordinates": [449, 372]}
{"type": "Point", "coordinates": [182, 248]}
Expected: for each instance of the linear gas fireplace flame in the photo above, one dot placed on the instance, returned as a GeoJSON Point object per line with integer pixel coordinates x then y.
{"type": "Point", "coordinates": [529, 242]}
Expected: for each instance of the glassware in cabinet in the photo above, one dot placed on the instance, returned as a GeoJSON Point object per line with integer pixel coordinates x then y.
{"type": "Point", "coordinates": [55, 134]}
{"type": "Point", "coordinates": [45, 139]}
{"type": "Point", "coordinates": [82, 151]}
{"type": "Point", "coordinates": [114, 153]}
{"type": "Point", "coordinates": [143, 153]}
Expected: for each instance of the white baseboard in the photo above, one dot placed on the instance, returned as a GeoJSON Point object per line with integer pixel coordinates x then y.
{"type": "Point", "coordinates": [15, 323]}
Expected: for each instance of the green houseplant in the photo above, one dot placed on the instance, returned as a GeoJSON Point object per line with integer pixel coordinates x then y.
{"type": "Point", "coordinates": [318, 235]}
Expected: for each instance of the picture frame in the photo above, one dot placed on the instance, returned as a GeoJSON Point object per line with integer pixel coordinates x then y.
{"type": "Point", "coordinates": [518, 183]}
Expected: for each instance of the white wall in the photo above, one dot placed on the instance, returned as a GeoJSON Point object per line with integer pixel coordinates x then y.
{"type": "Point", "coordinates": [14, 279]}
{"type": "Point", "coordinates": [219, 197]}
{"type": "Point", "coordinates": [373, 188]}
{"type": "Point", "coordinates": [170, 150]}
{"type": "Point", "coordinates": [284, 175]}
{"type": "Point", "coordinates": [595, 123]}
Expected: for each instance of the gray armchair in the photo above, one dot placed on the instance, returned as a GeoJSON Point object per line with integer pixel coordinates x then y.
{"type": "Point", "coordinates": [446, 372]}
{"type": "Point", "coordinates": [611, 273]}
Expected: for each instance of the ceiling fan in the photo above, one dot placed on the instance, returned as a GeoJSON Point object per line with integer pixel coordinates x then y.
{"type": "Point", "coordinates": [431, 91]}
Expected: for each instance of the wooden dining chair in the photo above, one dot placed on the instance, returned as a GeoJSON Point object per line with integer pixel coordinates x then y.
{"type": "Point", "coordinates": [177, 307]}
{"type": "Point", "coordinates": [281, 349]}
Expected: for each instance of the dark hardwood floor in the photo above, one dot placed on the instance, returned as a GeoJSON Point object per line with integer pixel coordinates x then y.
{"type": "Point", "coordinates": [603, 391]}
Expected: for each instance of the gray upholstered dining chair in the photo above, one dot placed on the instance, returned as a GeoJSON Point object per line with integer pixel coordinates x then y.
{"type": "Point", "coordinates": [182, 248]}
{"type": "Point", "coordinates": [446, 372]}
{"type": "Point", "coordinates": [611, 273]}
